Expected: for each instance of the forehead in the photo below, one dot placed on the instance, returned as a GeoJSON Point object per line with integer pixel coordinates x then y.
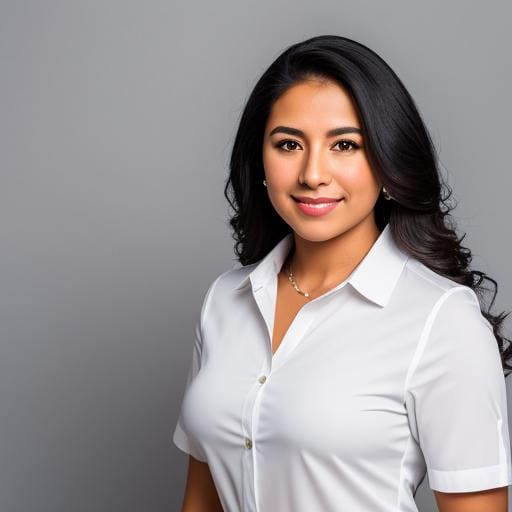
{"type": "Point", "coordinates": [312, 103]}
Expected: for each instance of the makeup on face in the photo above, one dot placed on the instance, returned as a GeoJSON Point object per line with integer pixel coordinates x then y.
{"type": "Point", "coordinates": [316, 207]}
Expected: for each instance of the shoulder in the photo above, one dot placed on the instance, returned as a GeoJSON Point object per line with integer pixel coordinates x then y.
{"type": "Point", "coordinates": [448, 300]}
{"type": "Point", "coordinates": [223, 285]}
{"type": "Point", "coordinates": [441, 305]}
{"type": "Point", "coordinates": [456, 348]}
{"type": "Point", "coordinates": [455, 334]}
{"type": "Point", "coordinates": [427, 280]}
{"type": "Point", "coordinates": [219, 293]}
{"type": "Point", "coordinates": [229, 279]}
{"type": "Point", "coordinates": [420, 285]}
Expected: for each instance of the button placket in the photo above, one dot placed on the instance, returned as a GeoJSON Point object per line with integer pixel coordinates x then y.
{"type": "Point", "coordinates": [250, 416]}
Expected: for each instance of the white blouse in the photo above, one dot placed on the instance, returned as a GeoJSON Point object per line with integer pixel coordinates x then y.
{"type": "Point", "coordinates": [373, 386]}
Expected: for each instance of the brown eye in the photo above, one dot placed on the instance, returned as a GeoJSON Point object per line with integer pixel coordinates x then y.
{"type": "Point", "coordinates": [284, 143]}
{"type": "Point", "coordinates": [347, 144]}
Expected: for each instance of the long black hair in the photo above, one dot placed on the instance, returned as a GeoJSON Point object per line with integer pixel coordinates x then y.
{"type": "Point", "coordinates": [399, 150]}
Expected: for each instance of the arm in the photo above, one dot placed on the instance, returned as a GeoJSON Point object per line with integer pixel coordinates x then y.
{"type": "Point", "coordinates": [457, 406]}
{"type": "Point", "coordinates": [495, 500]}
{"type": "Point", "coordinates": [200, 492]}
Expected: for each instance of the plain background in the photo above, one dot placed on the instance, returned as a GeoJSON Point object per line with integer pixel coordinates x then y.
{"type": "Point", "coordinates": [117, 119]}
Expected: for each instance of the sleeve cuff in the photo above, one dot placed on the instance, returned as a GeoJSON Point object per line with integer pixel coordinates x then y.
{"type": "Point", "coordinates": [467, 480]}
{"type": "Point", "coordinates": [182, 441]}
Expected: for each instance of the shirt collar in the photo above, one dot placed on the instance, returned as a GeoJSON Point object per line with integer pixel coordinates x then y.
{"type": "Point", "coordinates": [375, 277]}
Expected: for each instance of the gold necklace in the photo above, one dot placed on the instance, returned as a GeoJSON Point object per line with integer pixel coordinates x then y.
{"type": "Point", "coordinates": [291, 278]}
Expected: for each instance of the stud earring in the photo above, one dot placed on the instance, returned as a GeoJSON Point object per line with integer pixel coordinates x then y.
{"type": "Point", "coordinates": [386, 195]}
{"type": "Point", "coordinates": [265, 183]}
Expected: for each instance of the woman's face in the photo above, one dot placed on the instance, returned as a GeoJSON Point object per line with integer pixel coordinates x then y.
{"type": "Point", "coordinates": [314, 163]}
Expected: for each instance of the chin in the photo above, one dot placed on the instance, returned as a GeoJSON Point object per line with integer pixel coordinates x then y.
{"type": "Point", "coordinates": [317, 233]}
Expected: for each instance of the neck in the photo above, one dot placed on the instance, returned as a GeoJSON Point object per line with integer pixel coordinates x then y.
{"type": "Point", "coordinates": [318, 265]}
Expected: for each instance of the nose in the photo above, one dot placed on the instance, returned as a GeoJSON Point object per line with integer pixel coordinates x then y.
{"type": "Point", "coordinates": [314, 171]}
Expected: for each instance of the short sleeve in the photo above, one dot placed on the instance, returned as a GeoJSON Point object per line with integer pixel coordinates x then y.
{"type": "Point", "coordinates": [455, 396]}
{"type": "Point", "coordinates": [181, 438]}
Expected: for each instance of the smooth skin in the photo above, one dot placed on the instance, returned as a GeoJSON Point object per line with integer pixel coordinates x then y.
{"type": "Point", "coordinates": [315, 163]}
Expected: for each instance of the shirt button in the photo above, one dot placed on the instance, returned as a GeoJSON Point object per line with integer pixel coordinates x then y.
{"type": "Point", "coordinates": [262, 379]}
{"type": "Point", "coordinates": [248, 443]}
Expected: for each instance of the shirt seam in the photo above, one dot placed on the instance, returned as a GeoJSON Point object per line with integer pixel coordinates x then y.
{"type": "Point", "coordinates": [431, 281]}
{"type": "Point", "coordinates": [425, 336]}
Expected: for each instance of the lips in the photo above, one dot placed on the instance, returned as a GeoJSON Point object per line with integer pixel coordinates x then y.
{"type": "Point", "coordinates": [315, 200]}
{"type": "Point", "coordinates": [316, 206]}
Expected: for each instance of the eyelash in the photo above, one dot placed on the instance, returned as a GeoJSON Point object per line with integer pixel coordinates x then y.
{"type": "Point", "coordinates": [282, 143]}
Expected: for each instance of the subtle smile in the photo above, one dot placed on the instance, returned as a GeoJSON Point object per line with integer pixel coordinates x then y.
{"type": "Point", "coordinates": [316, 206]}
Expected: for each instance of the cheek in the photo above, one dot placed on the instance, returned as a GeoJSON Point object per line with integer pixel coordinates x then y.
{"type": "Point", "coordinates": [358, 179]}
{"type": "Point", "coordinates": [281, 172]}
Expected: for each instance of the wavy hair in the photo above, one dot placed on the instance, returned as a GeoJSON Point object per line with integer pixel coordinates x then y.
{"type": "Point", "coordinates": [399, 150]}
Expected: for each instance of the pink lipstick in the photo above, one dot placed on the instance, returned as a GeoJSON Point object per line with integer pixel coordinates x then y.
{"type": "Point", "coordinates": [316, 207]}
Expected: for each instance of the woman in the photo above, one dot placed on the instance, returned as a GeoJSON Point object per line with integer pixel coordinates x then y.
{"type": "Point", "coordinates": [348, 356]}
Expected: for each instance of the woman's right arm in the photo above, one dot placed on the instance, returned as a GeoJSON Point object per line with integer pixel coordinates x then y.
{"type": "Point", "coordinates": [200, 492]}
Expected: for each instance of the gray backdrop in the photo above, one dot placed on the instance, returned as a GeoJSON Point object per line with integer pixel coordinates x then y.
{"type": "Point", "coordinates": [116, 122]}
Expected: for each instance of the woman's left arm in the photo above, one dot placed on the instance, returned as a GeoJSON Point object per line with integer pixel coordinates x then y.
{"type": "Point", "coordinates": [456, 402]}
{"type": "Point", "coordinates": [489, 500]}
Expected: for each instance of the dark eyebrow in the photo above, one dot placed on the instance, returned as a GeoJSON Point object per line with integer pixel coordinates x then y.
{"type": "Point", "coordinates": [300, 133]}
